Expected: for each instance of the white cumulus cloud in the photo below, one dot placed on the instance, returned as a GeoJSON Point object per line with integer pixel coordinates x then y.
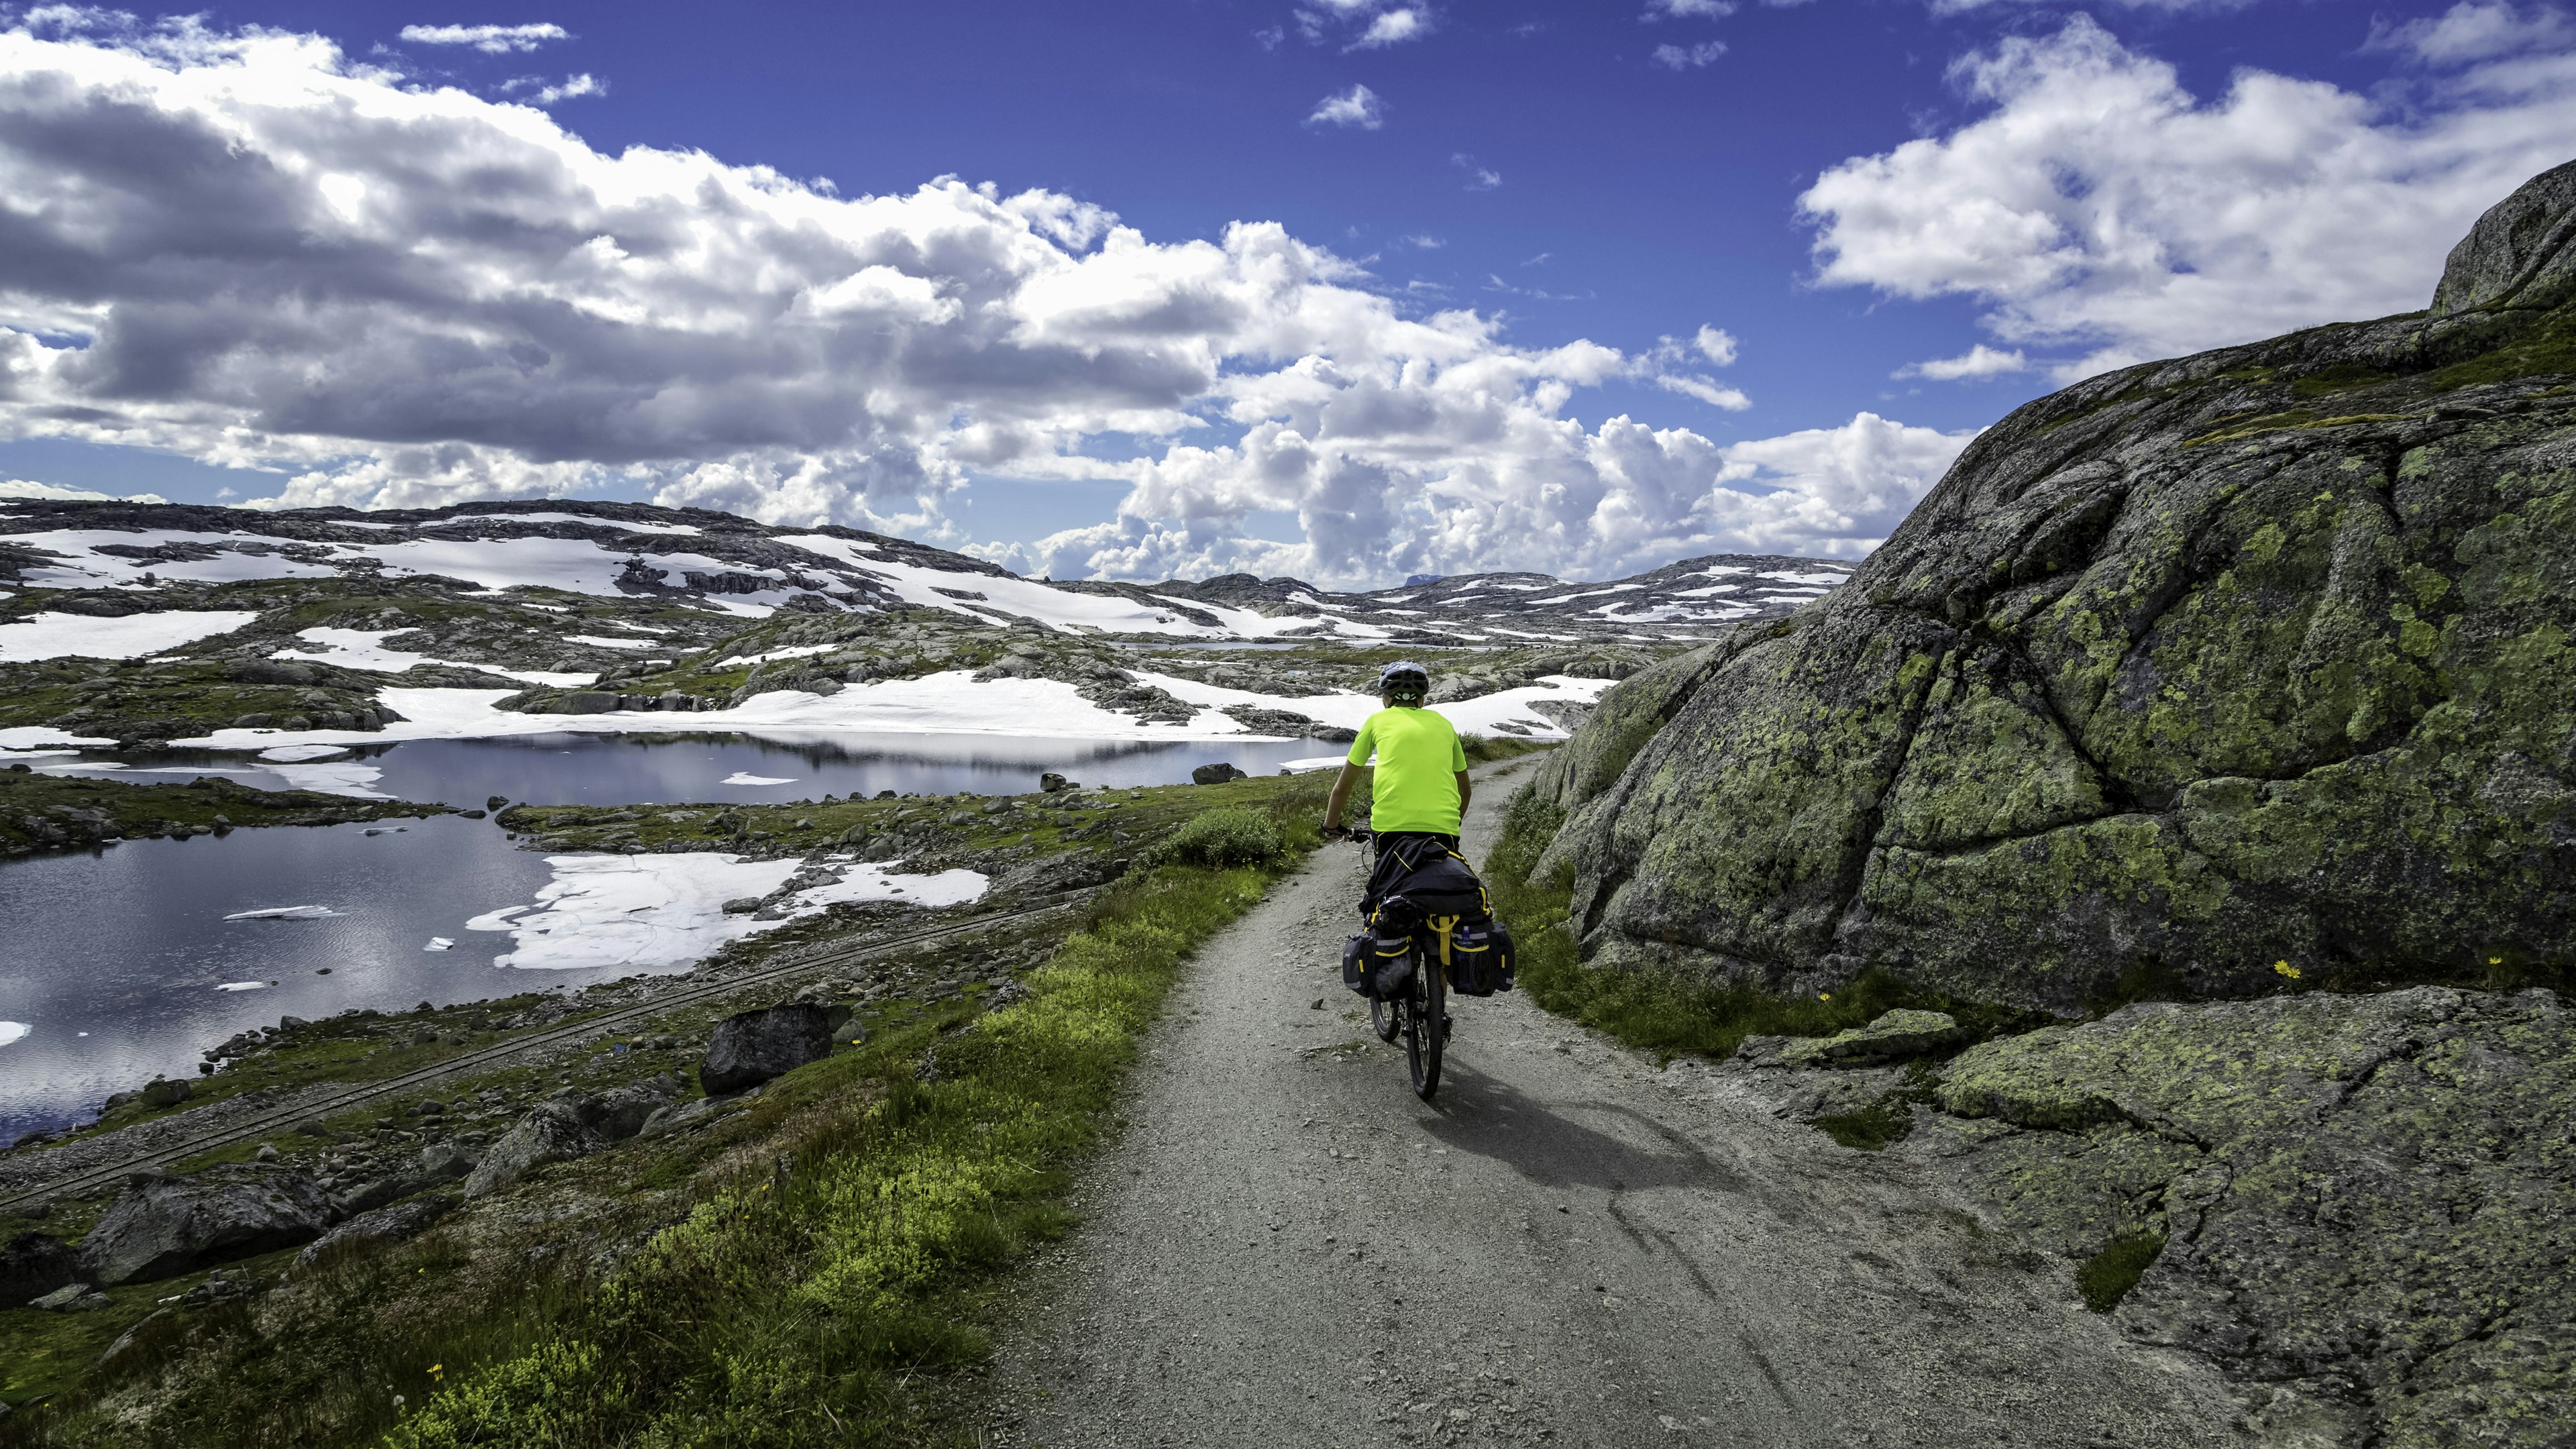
{"type": "Point", "coordinates": [1358, 106]}
{"type": "Point", "coordinates": [245, 249]}
{"type": "Point", "coordinates": [1689, 57]}
{"type": "Point", "coordinates": [2098, 205]}
{"type": "Point", "coordinates": [490, 39]}
{"type": "Point", "coordinates": [1716, 344]}
{"type": "Point", "coordinates": [1687, 9]}
{"type": "Point", "coordinates": [52, 493]}
{"type": "Point", "coordinates": [1393, 27]}
{"type": "Point", "coordinates": [2472, 31]}
{"type": "Point", "coordinates": [1977, 361]}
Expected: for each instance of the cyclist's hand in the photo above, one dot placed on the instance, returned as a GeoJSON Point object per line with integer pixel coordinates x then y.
{"type": "Point", "coordinates": [1337, 832]}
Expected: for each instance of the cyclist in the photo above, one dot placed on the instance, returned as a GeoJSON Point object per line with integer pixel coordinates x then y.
{"type": "Point", "coordinates": [1421, 788]}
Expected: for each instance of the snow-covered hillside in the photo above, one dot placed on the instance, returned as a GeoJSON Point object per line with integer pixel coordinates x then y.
{"type": "Point", "coordinates": [143, 623]}
{"type": "Point", "coordinates": [750, 570]}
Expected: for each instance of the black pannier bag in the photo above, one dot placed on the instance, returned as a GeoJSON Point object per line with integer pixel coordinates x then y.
{"type": "Point", "coordinates": [1374, 965]}
{"type": "Point", "coordinates": [1394, 966]}
{"type": "Point", "coordinates": [1480, 958]}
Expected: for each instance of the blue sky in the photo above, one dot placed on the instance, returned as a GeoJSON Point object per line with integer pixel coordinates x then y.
{"type": "Point", "coordinates": [1846, 191]}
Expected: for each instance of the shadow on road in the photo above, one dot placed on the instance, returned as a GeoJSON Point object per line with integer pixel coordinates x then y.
{"type": "Point", "coordinates": [1492, 1118]}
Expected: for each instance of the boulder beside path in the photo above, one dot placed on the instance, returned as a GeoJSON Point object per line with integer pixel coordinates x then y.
{"type": "Point", "coordinates": [170, 1225]}
{"type": "Point", "coordinates": [752, 1047]}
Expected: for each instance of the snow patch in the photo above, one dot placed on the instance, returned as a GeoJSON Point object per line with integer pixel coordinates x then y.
{"type": "Point", "coordinates": [67, 636]}
{"type": "Point", "coordinates": [243, 986]}
{"type": "Point", "coordinates": [667, 911]}
{"type": "Point", "coordinates": [291, 754]}
{"type": "Point", "coordinates": [285, 913]}
{"type": "Point", "coordinates": [439, 943]}
{"type": "Point", "coordinates": [12, 1030]}
{"type": "Point", "coordinates": [604, 642]}
{"type": "Point", "coordinates": [354, 780]}
{"type": "Point", "coordinates": [745, 777]}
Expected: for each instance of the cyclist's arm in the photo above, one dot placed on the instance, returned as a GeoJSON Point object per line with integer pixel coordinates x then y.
{"type": "Point", "coordinates": [1341, 795]}
{"type": "Point", "coordinates": [1466, 791]}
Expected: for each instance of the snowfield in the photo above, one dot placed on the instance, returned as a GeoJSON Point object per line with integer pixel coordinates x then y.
{"type": "Point", "coordinates": [79, 636]}
{"type": "Point", "coordinates": [663, 912]}
{"type": "Point", "coordinates": [364, 649]}
{"type": "Point", "coordinates": [948, 703]}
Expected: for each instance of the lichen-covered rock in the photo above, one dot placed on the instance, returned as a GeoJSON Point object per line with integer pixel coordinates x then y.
{"type": "Point", "coordinates": [2370, 1198]}
{"type": "Point", "coordinates": [2263, 655]}
{"type": "Point", "coordinates": [1892, 1036]}
{"type": "Point", "coordinates": [168, 1225]}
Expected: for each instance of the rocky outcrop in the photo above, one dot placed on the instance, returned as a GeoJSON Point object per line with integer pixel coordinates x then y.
{"type": "Point", "coordinates": [568, 1125]}
{"type": "Point", "coordinates": [751, 1047]}
{"type": "Point", "coordinates": [2260, 656]}
{"type": "Point", "coordinates": [2369, 1201]}
{"type": "Point", "coordinates": [2361, 1207]}
{"type": "Point", "coordinates": [384, 1225]}
{"type": "Point", "coordinates": [168, 1225]}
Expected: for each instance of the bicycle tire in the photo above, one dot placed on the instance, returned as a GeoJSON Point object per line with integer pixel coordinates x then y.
{"type": "Point", "coordinates": [1425, 1023]}
{"type": "Point", "coordinates": [1386, 1016]}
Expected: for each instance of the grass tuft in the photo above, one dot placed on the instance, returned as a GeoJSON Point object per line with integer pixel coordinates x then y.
{"type": "Point", "coordinates": [1228, 837]}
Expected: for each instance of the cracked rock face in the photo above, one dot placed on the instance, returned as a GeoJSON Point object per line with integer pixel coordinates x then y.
{"type": "Point", "coordinates": [2258, 656]}
{"type": "Point", "coordinates": [2367, 1200]}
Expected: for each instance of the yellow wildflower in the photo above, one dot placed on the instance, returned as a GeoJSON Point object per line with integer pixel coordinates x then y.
{"type": "Point", "coordinates": [2286, 969]}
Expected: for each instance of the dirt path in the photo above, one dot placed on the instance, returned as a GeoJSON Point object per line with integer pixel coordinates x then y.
{"type": "Point", "coordinates": [1568, 1248]}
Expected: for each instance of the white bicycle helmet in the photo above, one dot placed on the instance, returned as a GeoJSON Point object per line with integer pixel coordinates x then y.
{"type": "Point", "coordinates": [1405, 680]}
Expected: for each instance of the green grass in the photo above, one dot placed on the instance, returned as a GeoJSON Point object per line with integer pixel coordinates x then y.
{"type": "Point", "coordinates": [2108, 1275]}
{"type": "Point", "coordinates": [1668, 1015]}
{"type": "Point", "coordinates": [792, 1305]}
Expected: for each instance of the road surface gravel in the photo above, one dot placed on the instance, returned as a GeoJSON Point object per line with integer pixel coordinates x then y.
{"type": "Point", "coordinates": [1568, 1247]}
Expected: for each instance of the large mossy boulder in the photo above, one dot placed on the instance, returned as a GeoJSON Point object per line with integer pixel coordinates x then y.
{"type": "Point", "coordinates": [2260, 656]}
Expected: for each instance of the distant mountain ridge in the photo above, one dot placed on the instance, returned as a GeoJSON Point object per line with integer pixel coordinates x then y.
{"type": "Point", "coordinates": [753, 567]}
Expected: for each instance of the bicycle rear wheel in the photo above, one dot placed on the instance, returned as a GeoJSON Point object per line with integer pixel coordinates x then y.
{"type": "Point", "coordinates": [1426, 1022]}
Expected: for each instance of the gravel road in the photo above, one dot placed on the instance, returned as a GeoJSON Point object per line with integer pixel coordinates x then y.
{"type": "Point", "coordinates": [1568, 1248]}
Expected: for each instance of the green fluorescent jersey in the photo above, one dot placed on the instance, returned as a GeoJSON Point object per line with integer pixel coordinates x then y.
{"type": "Point", "coordinates": [1418, 758]}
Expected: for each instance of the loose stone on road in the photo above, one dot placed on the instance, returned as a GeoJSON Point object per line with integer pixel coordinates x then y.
{"type": "Point", "coordinates": [1568, 1247]}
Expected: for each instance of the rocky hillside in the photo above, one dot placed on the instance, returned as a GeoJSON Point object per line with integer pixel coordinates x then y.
{"type": "Point", "coordinates": [2193, 679]}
